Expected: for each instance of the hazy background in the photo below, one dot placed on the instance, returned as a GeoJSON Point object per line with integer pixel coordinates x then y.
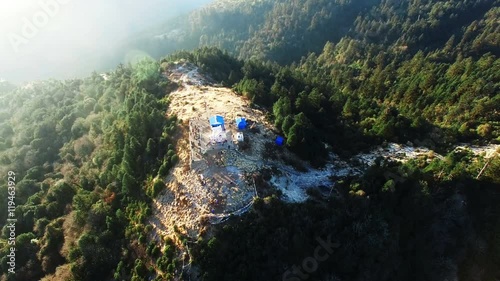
{"type": "Point", "coordinates": [80, 37]}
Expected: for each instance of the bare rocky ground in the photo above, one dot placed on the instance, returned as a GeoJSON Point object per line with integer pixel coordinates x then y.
{"type": "Point", "coordinates": [218, 185]}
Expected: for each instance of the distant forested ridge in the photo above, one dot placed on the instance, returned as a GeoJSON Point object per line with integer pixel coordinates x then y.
{"type": "Point", "coordinates": [286, 30]}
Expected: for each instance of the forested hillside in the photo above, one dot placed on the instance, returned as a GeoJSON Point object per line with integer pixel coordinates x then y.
{"type": "Point", "coordinates": [354, 106]}
{"type": "Point", "coordinates": [368, 100]}
{"type": "Point", "coordinates": [286, 30]}
{"type": "Point", "coordinates": [85, 154]}
{"type": "Point", "coordinates": [335, 77]}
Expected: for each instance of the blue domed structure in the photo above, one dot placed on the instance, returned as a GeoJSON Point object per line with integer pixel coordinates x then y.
{"type": "Point", "coordinates": [241, 123]}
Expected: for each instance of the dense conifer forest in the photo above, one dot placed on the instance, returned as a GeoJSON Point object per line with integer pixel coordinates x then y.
{"type": "Point", "coordinates": [86, 154]}
{"type": "Point", "coordinates": [335, 77]}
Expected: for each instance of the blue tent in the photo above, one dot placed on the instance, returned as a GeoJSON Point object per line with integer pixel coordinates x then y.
{"type": "Point", "coordinates": [280, 141]}
{"type": "Point", "coordinates": [216, 121]}
{"type": "Point", "coordinates": [241, 123]}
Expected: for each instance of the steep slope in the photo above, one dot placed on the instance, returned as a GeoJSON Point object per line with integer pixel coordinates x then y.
{"type": "Point", "coordinates": [81, 156]}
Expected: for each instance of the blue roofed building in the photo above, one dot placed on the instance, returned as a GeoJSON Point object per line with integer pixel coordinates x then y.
{"type": "Point", "coordinates": [216, 121]}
